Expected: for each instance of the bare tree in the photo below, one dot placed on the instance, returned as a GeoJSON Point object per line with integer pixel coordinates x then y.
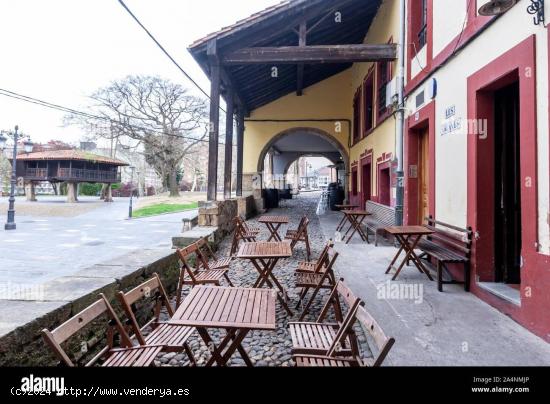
{"type": "Point", "coordinates": [151, 114]}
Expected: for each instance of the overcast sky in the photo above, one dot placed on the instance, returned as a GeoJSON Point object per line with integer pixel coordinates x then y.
{"type": "Point", "coordinates": [62, 50]}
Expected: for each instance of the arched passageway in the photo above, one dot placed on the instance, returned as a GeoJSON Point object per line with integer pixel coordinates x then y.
{"type": "Point", "coordinates": [288, 146]}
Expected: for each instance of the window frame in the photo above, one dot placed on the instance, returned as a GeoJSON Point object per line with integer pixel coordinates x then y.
{"type": "Point", "coordinates": [382, 113]}
{"type": "Point", "coordinates": [356, 135]}
{"type": "Point", "coordinates": [369, 80]}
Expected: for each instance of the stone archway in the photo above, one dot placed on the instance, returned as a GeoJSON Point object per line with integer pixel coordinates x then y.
{"type": "Point", "coordinates": [314, 132]}
{"type": "Point", "coordinates": [321, 144]}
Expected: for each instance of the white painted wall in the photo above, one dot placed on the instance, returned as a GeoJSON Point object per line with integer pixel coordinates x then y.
{"type": "Point", "coordinates": [451, 149]}
{"type": "Point", "coordinates": [449, 17]}
{"type": "Point", "coordinates": [418, 62]}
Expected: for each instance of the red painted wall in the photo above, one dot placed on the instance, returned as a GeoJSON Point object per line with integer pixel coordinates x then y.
{"type": "Point", "coordinates": [519, 62]}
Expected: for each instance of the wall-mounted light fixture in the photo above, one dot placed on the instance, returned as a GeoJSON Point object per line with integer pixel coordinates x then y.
{"type": "Point", "coordinates": [496, 7]}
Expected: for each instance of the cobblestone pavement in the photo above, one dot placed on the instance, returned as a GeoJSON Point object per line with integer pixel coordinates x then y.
{"type": "Point", "coordinates": [270, 348]}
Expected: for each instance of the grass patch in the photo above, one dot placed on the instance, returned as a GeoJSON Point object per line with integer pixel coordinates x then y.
{"type": "Point", "coordinates": [162, 208]}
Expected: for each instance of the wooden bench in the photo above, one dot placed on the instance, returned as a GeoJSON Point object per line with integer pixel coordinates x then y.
{"type": "Point", "coordinates": [447, 245]}
{"type": "Point", "coordinates": [381, 216]}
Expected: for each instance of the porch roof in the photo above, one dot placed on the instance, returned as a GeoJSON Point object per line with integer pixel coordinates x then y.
{"type": "Point", "coordinates": [73, 155]}
{"type": "Point", "coordinates": [276, 26]}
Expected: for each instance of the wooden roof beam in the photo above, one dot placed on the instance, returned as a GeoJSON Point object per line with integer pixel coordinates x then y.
{"type": "Point", "coordinates": [311, 54]}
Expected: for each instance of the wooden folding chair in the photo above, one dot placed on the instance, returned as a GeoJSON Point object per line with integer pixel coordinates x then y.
{"type": "Point", "coordinates": [197, 276]}
{"type": "Point", "coordinates": [324, 338]}
{"type": "Point", "coordinates": [207, 257]}
{"type": "Point", "coordinates": [322, 277]}
{"type": "Point", "coordinates": [300, 234]}
{"type": "Point", "coordinates": [124, 356]}
{"type": "Point", "coordinates": [310, 266]}
{"type": "Point", "coordinates": [173, 338]}
{"type": "Point", "coordinates": [242, 232]}
{"type": "Point", "coordinates": [371, 327]}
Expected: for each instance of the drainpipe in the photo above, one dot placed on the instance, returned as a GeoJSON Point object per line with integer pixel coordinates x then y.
{"type": "Point", "coordinates": [400, 190]}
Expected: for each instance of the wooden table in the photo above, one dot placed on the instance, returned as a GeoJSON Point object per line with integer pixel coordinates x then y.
{"type": "Point", "coordinates": [355, 219]}
{"type": "Point", "coordinates": [408, 237]}
{"type": "Point", "coordinates": [264, 255]}
{"type": "Point", "coordinates": [342, 223]}
{"type": "Point", "coordinates": [273, 223]}
{"type": "Point", "coordinates": [237, 310]}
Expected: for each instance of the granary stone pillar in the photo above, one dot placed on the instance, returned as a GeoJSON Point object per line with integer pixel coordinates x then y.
{"type": "Point", "coordinates": [72, 192]}
{"type": "Point", "coordinates": [108, 197]}
{"type": "Point", "coordinates": [30, 191]}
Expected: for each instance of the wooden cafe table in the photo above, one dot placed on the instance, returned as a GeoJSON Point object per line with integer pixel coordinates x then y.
{"type": "Point", "coordinates": [355, 218]}
{"type": "Point", "coordinates": [236, 310]}
{"type": "Point", "coordinates": [342, 223]}
{"type": "Point", "coordinates": [264, 255]}
{"type": "Point", "coordinates": [408, 237]}
{"type": "Point", "coordinates": [273, 223]}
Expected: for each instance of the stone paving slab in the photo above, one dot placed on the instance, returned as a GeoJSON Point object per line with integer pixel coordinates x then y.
{"type": "Point", "coordinates": [453, 328]}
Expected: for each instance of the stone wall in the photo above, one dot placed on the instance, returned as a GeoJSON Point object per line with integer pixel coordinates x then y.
{"type": "Point", "coordinates": [67, 296]}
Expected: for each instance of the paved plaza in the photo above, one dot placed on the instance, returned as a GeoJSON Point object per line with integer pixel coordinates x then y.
{"type": "Point", "coordinates": [44, 248]}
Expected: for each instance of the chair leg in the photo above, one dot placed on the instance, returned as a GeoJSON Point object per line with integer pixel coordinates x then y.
{"type": "Point", "coordinates": [228, 280]}
{"type": "Point", "coordinates": [439, 276]}
{"type": "Point", "coordinates": [190, 354]}
{"type": "Point", "coordinates": [303, 294]}
{"type": "Point", "coordinates": [309, 303]}
{"type": "Point", "coordinates": [308, 249]}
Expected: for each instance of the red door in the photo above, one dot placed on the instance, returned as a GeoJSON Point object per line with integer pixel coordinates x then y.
{"type": "Point", "coordinates": [384, 187]}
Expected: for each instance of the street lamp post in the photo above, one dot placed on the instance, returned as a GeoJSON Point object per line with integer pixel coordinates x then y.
{"type": "Point", "coordinates": [10, 224]}
{"type": "Point", "coordinates": [132, 168]}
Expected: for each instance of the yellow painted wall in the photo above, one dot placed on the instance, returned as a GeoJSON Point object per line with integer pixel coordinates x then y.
{"type": "Point", "coordinates": [328, 99]}
{"type": "Point", "coordinates": [382, 139]}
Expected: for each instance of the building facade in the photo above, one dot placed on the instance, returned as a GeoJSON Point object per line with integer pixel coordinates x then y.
{"type": "Point", "coordinates": [476, 148]}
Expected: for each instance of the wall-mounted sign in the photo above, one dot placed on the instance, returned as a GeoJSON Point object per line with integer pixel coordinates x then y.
{"type": "Point", "coordinates": [413, 171]}
{"type": "Point", "coordinates": [450, 111]}
{"type": "Point", "coordinates": [451, 126]}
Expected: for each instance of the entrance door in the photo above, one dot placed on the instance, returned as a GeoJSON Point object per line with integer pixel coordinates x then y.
{"type": "Point", "coordinates": [366, 176]}
{"type": "Point", "coordinates": [507, 186]}
{"type": "Point", "coordinates": [384, 187]}
{"type": "Point", "coordinates": [423, 175]}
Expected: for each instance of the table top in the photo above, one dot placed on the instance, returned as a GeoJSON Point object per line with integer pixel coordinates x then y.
{"type": "Point", "coordinates": [265, 249]}
{"type": "Point", "coordinates": [356, 212]}
{"type": "Point", "coordinates": [274, 219]}
{"type": "Point", "coordinates": [224, 307]}
{"type": "Point", "coordinates": [408, 230]}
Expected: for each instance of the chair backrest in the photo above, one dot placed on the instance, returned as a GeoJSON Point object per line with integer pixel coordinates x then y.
{"type": "Point", "coordinates": [184, 255]}
{"type": "Point", "coordinates": [204, 253]}
{"type": "Point", "coordinates": [454, 238]}
{"type": "Point", "coordinates": [150, 289]}
{"type": "Point", "coordinates": [69, 328]}
{"type": "Point", "coordinates": [324, 259]}
{"type": "Point", "coordinates": [342, 293]}
{"type": "Point", "coordinates": [383, 343]}
{"type": "Point", "coordinates": [301, 231]}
